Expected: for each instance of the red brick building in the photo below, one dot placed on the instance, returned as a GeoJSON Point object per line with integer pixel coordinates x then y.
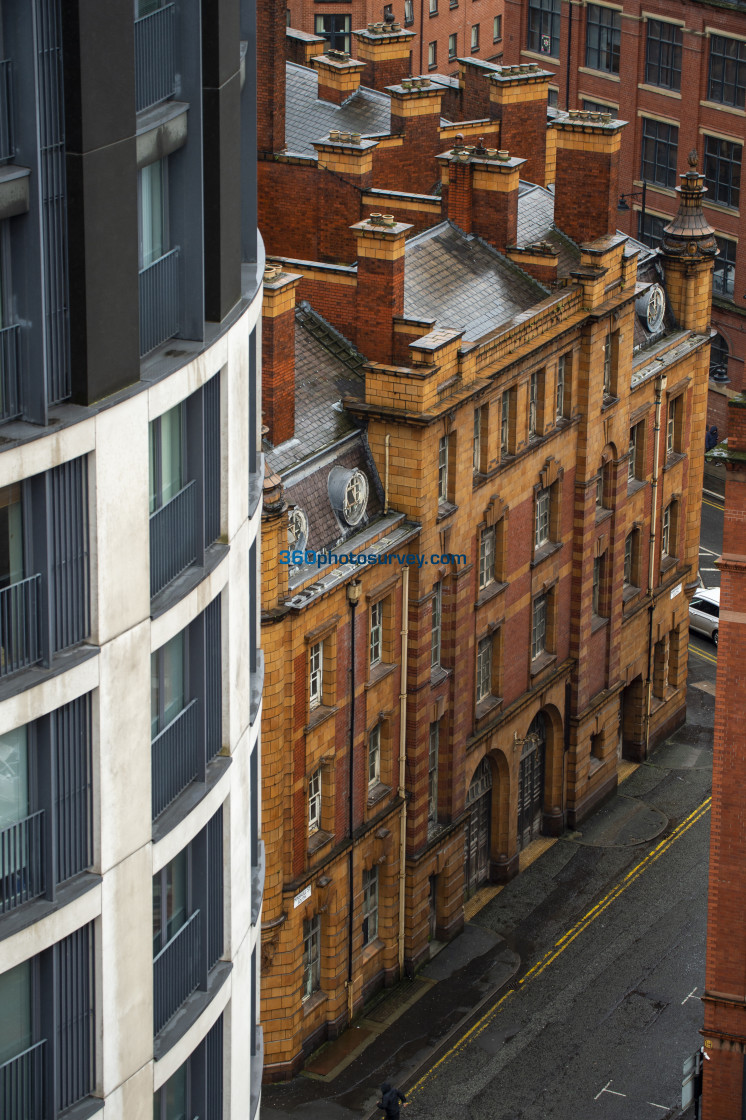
{"type": "Point", "coordinates": [676, 71]}
{"type": "Point", "coordinates": [438, 30]}
{"type": "Point", "coordinates": [527, 406]}
{"type": "Point", "coordinates": [725, 983]}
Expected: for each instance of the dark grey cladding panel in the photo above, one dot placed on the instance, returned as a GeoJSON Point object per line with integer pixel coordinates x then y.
{"type": "Point", "coordinates": [307, 118]}
{"type": "Point", "coordinates": [311, 494]}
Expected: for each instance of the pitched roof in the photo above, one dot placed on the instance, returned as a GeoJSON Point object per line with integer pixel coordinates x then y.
{"type": "Point", "coordinates": [463, 283]}
{"type": "Point", "coordinates": [326, 369]}
{"type": "Point", "coordinates": [307, 118]}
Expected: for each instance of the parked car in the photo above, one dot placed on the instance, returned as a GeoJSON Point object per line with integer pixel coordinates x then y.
{"type": "Point", "coordinates": [704, 612]}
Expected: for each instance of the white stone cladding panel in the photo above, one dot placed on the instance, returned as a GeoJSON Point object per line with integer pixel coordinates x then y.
{"type": "Point", "coordinates": [49, 695]}
{"type": "Point", "coordinates": [42, 454]}
{"type": "Point", "coordinates": [50, 929]}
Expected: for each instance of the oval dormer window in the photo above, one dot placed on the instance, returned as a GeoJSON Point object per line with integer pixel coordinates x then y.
{"type": "Point", "coordinates": [355, 498]}
{"type": "Point", "coordinates": [297, 530]}
{"type": "Point", "coordinates": [651, 307]}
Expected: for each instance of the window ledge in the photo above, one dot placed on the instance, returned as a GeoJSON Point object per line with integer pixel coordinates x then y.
{"type": "Point", "coordinates": [160, 131]}
{"type": "Point", "coordinates": [630, 591]}
{"type": "Point", "coordinates": [668, 562]}
{"type": "Point", "coordinates": [665, 91]}
{"type": "Point", "coordinates": [186, 581]}
{"type": "Point", "coordinates": [317, 840]}
{"type": "Point", "coordinates": [542, 662]}
{"type": "Point", "coordinates": [545, 551]}
{"type": "Point", "coordinates": [673, 459]}
{"type": "Point", "coordinates": [486, 706]}
{"type": "Point", "coordinates": [376, 793]}
{"type": "Point", "coordinates": [318, 716]}
{"type": "Point", "coordinates": [438, 674]}
{"type": "Point", "coordinates": [313, 1001]}
{"type": "Point", "coordinates": [256, 486]}
{"type": "Point", "coordinates": [488, 593]}
{"type": "Point", "coordinates": [191, 1009]}
{"type": "Point", "coordinates": [598, 621]}
{"type": "Point", "coordinates": [602, 514]}
{"type": "Point", "coordinates": [31, 913]}
{"type": "Point", "coordinates": [608, 402]}
{"type": "Point", "coordinates": [60, 662]}
{"type": "Point", "coordinates": [635, 484]}
{"type": "Point", "coordinates": [81, 1110]}
{"type": "Point", "coordinates": [379, 673]}
{"type": "Point", "coordinates": [722, 107]}
{"type": "Point", "coordinates": [599, 73]}
{"type": "Point", "coordinates": [595, 765]}
{"type": "Point", "coordinates": [14, 190]}
{"type": "Point", "coordinates": [445, 509]}
{"type": "Point", "coordinates": [371, 950]}
{"type": "Point", "coordinates": [190, 798]}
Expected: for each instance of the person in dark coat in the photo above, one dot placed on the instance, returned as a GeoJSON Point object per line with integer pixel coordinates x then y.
{"type": "Point", "coordinates": [389, 1101]}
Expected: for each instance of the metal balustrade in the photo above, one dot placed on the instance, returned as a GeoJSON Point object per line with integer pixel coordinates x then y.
{"type": "Point", "coordinates": [22, 1085]}
{"type": "Point", "coordinates": [10, 397]}
{"type": "Point", "coordinates": [155, 57]}
{"type": "Point", "coordinates": [176, 971]}
{"type": "Point", "coordinates": [173, 537]}
{"type": "Point", "coordinates": [175, 757]}
{"type": "Point", "coordinates": [20, 625]}
{"type": "Point", "coordinates": [160, 303]}
{"type": "Point", "coordinates": [7, 148]}
{"type": "Point", "coordinates": [22, 862]}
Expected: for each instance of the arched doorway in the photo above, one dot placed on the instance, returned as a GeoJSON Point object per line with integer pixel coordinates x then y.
{"type": "Point", "coordinates": [477, 838]}
{"type": "Point", "coordinates": [531, 782]}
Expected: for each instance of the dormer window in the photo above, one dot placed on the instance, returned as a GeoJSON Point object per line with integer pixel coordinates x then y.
{"type": "Point", "coordinates": [356, 498]}
{"type": "Point", "coordinates": [297, 530]}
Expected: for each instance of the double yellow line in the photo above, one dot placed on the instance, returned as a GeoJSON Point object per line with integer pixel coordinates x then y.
{"type": "Point", "coordinates": [705, 656]}
{"type": "Point", "coordinates": [568, 938]}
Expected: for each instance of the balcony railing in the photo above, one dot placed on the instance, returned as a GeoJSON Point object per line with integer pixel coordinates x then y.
{"type": "Point", "coordinates": [155, 57]}
{"type": "Point", "coordinates": [176, 971]}
{"type": "Point", "coordinates": [173, 545]}
{"type": "Point", "coordinates": [22, 1085]}
{"type": "Point", "coordinates": [159, 301]}
{"type": "Point", "coordinates": [20, 625]}
{"type": "Point", "coordinates": [22, 862]}
{"type": "Point", "coordinates": [10, 398]}
{"type": "Point", "coordinates": [7, 149]}
{"type": "Point", "coordinates": [175, 757]}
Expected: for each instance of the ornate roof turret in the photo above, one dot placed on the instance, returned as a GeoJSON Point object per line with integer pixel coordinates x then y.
{"type": "Point", "coordinates": [689, 234]}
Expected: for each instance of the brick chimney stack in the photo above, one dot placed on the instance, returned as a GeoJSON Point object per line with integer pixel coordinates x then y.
{"type": "Point", "coordinates": [380, 284]}
{"type": "Point", "coordinates": [339, 75]}
{"type": "Point", "coordinates": [480, 192]}
{"type": "Point", "coordinates": [518, 97]}
{"type": "Point", "coordinates": [270, 79]}
{"type": "Point", "coordinates": [385, 49]}
{"type": "Point", "coordinates": [586, 189]}
{"type": "Point", "coordinates": [415, 116]}
{"type": "Point", "coordinates": [278, 353]}
{"type": "Point", "coordinates": [725, 971]}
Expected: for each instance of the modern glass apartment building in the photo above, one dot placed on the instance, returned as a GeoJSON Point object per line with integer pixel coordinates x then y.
{"type": "Point", "coordinates": [131, 868]}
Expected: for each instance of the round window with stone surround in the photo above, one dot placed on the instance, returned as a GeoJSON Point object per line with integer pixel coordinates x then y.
{"type": "Point", "coordinates": [297, 530]}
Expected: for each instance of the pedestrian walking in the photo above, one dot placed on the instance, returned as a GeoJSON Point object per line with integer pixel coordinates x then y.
{"type": "Point", "coordinates": [389, 1102]}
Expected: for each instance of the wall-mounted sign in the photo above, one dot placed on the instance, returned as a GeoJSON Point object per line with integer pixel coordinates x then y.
{"type": "Point", "coordinates": [301, 898]}
{"type": "Point", "coordinates": [676, 590]}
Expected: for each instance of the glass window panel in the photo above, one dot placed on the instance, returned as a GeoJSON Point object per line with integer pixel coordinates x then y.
{"type": "Point", "coordinates": [14, 792]}
{"type": "Point", "coordinates": [153, 238]}
{"type": "Point", "coordinates": [11, 536]}
{"type": "Point", "coordinates": [172, 457]}
{"type": "Point", "coordinates": [16, 1019]}
{"type": "Point", "coordinates": [544, 27]}
{"type": "Point", "coordinates": [167, 683]}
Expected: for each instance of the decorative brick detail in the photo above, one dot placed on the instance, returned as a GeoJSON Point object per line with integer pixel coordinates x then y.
{"type": "Point", "coordinates": [278, 353]}
{"type": "Point", "coordinates": [385, 50]}
{"type": "Point", "coordinates": [587, 184]}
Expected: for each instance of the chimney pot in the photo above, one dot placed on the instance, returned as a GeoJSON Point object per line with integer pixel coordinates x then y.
{"type": "Point", "coordinates": [503, 155]}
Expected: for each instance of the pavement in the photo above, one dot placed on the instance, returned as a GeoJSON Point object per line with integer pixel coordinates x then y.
{"type": "Point", "coordinates": [409, 1029]}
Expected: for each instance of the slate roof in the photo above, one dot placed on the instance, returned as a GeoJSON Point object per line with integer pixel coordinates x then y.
{"type": "Point", "coordinates": [307, 118]}
{"type": "Point", "coordinates": [309, 491]}
{"type": "Point", "coordinates": [535, 223]}
{"type": "Point", "coordinates": [463, 283]}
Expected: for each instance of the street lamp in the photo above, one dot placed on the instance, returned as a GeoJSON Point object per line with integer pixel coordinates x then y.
{"type": "Point", "coordinates": [719, 374]}
{"type": "Point", "coordinates": [623, 205]}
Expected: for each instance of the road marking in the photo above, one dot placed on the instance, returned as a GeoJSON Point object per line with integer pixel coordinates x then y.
{"type": "Point", "coordinates": [606, 1089]}
{"type": "Point", "coordinates": [705, 656]}
{"type": "Point", "coordinates": [567, 939]}
{"type": "Point", "coordinates": [714, 505]}
{"type": "Point", "coordinates": [663, 1106]}
{"type": "Point", "coordinates": [709, 551]}
{"type": "Point", "coordinates": [688, 997]}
